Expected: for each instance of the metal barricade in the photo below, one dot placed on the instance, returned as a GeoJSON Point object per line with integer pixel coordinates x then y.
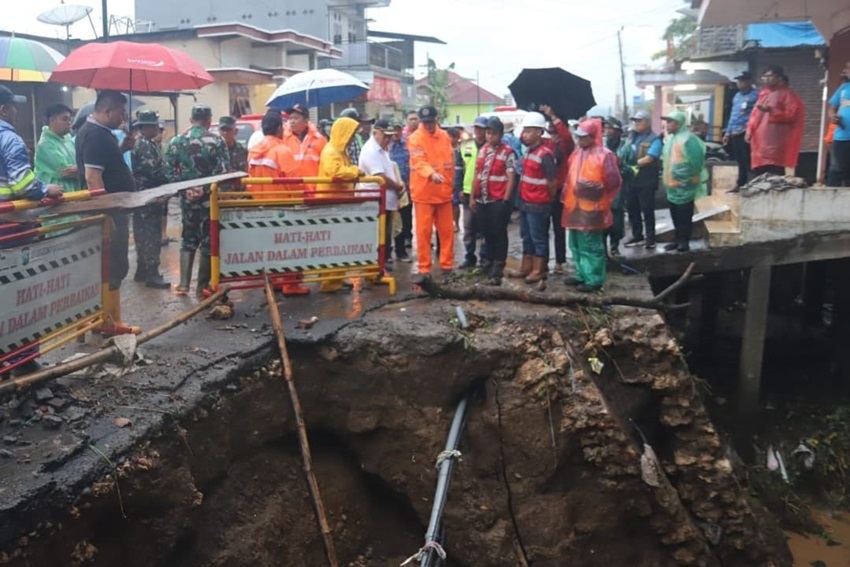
{"type": "Point", "coordinates": [309, 233]}
{"type": "Point", "coordinates": [53, 286]}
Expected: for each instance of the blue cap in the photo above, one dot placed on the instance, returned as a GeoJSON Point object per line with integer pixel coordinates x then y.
{"type": "Point", "coordinates": [480, 122]}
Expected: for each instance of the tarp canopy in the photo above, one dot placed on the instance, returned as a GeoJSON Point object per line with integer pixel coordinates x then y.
{"type": "Point", "coordinates": [785, 34]}
{"type": "Point", "coordinates": [829, 16]}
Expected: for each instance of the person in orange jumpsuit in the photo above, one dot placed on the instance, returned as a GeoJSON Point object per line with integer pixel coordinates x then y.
{"type": "Point", "coordinates": [271, 158]}
{"type": "Point", "coordinates": [304, 141]}
{"type": "Point", "coordinates": [431, 176]}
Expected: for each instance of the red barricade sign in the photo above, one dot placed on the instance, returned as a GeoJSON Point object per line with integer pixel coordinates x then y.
{"type": "Point", "coordinates": [298, 239]}
{"type": "Point", "coordinates": [298, 236]}
{"type": "Point", "coordinates": [50, 285]}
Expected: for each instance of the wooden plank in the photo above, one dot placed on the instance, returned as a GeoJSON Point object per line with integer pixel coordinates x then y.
{"type": "Point", "coordinates": [119, 201]}
{"type": "Point", "coordinates": [752, 347]}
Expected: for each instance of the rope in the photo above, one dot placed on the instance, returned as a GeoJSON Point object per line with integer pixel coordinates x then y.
{"type": "Point", "coordinates": [419, 555]}
{"type": "Point", "coordinates": [446, 455]}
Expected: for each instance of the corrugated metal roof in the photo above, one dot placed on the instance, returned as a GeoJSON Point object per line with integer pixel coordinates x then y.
{"type": "Point", "coordinates": [783, 35]}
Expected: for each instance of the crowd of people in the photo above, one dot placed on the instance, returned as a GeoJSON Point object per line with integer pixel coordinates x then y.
{"type": "Point", "coordinates": [571, 186]}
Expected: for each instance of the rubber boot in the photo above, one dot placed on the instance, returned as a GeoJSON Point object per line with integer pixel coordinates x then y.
{"type": "Point", "coordinates": [538, 271]}
{"type": "Point", "coordinates": [332, 286]}
{"type": "Point", "coordinates": [524, 269]}
{"type": "Point", "coordinates": [496, 273]}
{"type": "Point", "coordinates": [187, 260]}
{"type": "Point", "coordinates": [204, 275]}
{"type": "Point", "coordinates": [114, 325]}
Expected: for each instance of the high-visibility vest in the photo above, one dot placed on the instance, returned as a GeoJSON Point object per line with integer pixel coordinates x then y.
{"type": "Point", "coordinates": [497, 178]}
{"type": "Point", "coordinates": [533, 187]}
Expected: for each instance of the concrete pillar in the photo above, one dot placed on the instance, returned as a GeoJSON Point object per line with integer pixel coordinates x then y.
{"type": "Point", "coordinates": [752, 355]}
{"type": "Point", "coordinates": [657, 109]}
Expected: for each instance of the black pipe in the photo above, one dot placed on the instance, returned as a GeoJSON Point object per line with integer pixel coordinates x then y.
{"type": "Point", "coordinates": [430, 557]}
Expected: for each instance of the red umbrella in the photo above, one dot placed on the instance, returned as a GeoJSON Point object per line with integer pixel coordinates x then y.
{"type": "Point", "coordinates": [128, 66]}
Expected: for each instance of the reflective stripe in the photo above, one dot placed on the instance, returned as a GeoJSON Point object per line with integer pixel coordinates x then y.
{"type": "Point", "coordinates": [534, 181]}
{"type": "Point", "coordinates": [263, 161]}
{"type": "Point", "coordinates": [535, 158]}
{"type": "Point", "coordinates": [307, 157]}
{"type": "Point", "coordinates": [6, 194]}
{"type": "Point", "coordinates": [498, 178]}
{"type": "Point", "coordinates": [19, 186]}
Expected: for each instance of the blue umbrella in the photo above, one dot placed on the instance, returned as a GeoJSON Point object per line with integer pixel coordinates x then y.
{"type": "Point", "coordinates": [316, 88]}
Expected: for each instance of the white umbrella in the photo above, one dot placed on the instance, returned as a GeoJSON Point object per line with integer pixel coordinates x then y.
{"type": "Point", "coordinates": [319, 87]}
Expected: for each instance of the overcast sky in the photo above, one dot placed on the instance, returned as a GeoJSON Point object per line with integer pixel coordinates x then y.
{"type": "Point", "coordinates": [494, 38]}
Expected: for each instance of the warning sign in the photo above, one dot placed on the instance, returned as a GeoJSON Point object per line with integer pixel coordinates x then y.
{"type": "Point", "coordinates": [298, 239]}
{"type": "Point", "coordinates": [48, 285]}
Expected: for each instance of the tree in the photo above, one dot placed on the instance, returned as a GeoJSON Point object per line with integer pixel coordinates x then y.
{"type": "Point", "coordinates": [681, 38]}
{"type": "Point", "coordinates": [439, 81]}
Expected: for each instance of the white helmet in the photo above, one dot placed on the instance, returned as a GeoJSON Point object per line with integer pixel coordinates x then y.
{"type": "Point", "coordinates": [534, 120]}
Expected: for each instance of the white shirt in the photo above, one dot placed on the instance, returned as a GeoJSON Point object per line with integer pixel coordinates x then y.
{"type": "Point", "coordinates": [255, 138]}
{"type": "Point", "coordinates": [374, 160]}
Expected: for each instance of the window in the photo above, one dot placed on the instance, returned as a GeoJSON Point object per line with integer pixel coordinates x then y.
{"type": "Point", "coordinates": [240, 99]}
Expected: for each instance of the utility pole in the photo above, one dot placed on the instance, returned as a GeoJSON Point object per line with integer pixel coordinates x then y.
{"type": "Point", "coordinates": [622, 74]}
{"type": "Point", "coordinates": [477, 94]}
{"type": "Point", "coordinates": [105, 11]}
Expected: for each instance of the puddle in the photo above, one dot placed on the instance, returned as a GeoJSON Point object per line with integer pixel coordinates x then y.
{"type": "Point", "coordinates": [815, 551]}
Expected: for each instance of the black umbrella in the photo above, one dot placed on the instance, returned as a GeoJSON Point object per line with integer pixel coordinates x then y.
{"type": "Point", "coordinates": [569, 95]}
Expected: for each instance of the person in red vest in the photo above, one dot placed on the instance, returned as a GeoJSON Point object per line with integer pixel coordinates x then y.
{"type": "Point", "coordinates": [537, 189]}
{"type": "Point", "coordinates": [492, 193]}
{"type": "Point", "coordinates": [775, 129]}
{"type": "Point", "coordinates": [593, 181]}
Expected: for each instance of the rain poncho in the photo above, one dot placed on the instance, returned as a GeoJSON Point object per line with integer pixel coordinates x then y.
{"type": "Point", "coordinates": [776, 135]}
{"type": "Point", "coordinates": [53, 154]}
{"type": "Point", "coordinates": [593, 181]}
{"type": "Point", "coordinates": [334, 162]}
{"type": "Point", "coordinates": [684, 174]}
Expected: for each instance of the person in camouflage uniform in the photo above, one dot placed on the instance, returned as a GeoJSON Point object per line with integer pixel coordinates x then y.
{"type": "Point", "coordinates": [194, 154]}
{"type": "Point", "coordinates": [148, 172]}
{"type": "Point", "coordinates": [238, 152]}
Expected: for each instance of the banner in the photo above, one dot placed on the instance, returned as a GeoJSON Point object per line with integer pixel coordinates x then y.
{"type": "Point", "coordinates": [384, 91]}
{"type": "Point", "coordinates": [48, 285]}
{"type": "Point", "coordinates": [298, 239]}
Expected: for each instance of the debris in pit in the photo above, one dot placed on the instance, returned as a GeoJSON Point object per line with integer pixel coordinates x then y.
{"type": "Point", "coordinates": [122, 422]}
{"type": "Point", "coordinates": [221, 312]}
{"type": "Point", "coordinates": [10, 439]}
{"type": "Point", "coordinates": [52, 421]}
{"type": "Point", "coordinates": [808, 455]}
{"type": "Point", "coordinates": [43, 394]}
{"type": "Point", "coordinates": [307, 323]}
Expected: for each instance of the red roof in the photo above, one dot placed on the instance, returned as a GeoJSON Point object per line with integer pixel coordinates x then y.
{"type": "Point", "coordinates": [464, 91]}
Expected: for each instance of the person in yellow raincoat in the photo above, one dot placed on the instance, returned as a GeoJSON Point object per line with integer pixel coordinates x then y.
{"type": "Point", "coordinates": [334, 161]}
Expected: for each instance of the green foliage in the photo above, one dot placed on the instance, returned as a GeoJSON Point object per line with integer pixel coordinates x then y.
{"type": "Point", "coordinates": [438, 88]}
{"type": "Point", "coordinates": [682, 33]}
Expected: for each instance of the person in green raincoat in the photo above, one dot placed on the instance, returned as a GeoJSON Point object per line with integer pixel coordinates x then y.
{"type": "Point", "coordinates": [55, 155]}
{"type": "Point", "coordinates": [684, 177]}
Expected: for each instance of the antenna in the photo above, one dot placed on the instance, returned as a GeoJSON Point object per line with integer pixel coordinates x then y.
{"type": "Point", "coordinates": [65, 15]}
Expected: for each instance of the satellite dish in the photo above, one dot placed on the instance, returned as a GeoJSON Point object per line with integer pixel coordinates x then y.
{"type": "Point", "coordinates": [64, 15]}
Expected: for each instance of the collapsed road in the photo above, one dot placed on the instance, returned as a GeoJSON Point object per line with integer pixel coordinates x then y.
{"type": "Point", "coordinates": [586, 443]}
